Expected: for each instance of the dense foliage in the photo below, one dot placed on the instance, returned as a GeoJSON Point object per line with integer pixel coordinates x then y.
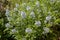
{"type": "Point", "coordinates": [30, 20]}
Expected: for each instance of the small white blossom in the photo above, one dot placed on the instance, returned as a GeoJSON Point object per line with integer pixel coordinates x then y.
{"type": "Point", "coordinates": [23, 4]}
{"type": "Point", "coordinates": [45, 21]}
{"type": "Point", "coordinates": [28, 8]}
{"type": "Point", "coordinates": [37, 23]}
{"type": "Point", "coordinates": [17, 5]}
{"type": "Point", "coordinates": [15, 9]}
{"type": "Point", "coordinates": [48, 18]}
{"type": "Point", "coordinates": [23, 14]}
{"type": "Point", "coordinates": [9, 18]}
{"type": "Point", "coordinates": [7, 12]}
{"type": "Point", "coordinates": [37, 4]}
{"type": "Point", "coordinates": [7, 25]}
{"type": "Point", "coordinates": [32, 14]}
{"type": "Point", "coordinates": [13, 31]}
{"type": "Point", "coordinates": [28, 30]}
{"type": "Point", "coordinates": [52, 1]}
{"type": "Point", "coordinates": [46, 30]}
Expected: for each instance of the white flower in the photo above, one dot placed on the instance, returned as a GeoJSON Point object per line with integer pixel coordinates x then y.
{"type": "Point", "coordinates": [48, 18]}
{"type": "Point", "coordinates": [37, 4]}
{"type": "Point", "coordinates": [32, 14]}
{"type": "Point", "coordinates": [15, 9]}
{"type": "Point", "coordinates": [45, 21]}
{"type": "Point", "coordinates": [7, 25]}
{"type": "Point", "coordinates": [9, 18]}
{"type": "Point", "coordinates": [52, 1]}
{"type": "Point", "coordinates": [46, 30]}
{"type": "Point", "coordinates": [37, 23]}
{"type": "Point", "coordinates": [23, 14]}
{"type": "Point", "coordinates": [23, 4]}
{"type": "Point", "coordinates": [28, 30]}
{"type": "Point", "coordinates": [17, 5]}
{"type": "Point", "coordinates": [7, 12]}
{"type": "Point", "coordinates": [14, 31]}
{"type": "Point", "coordinates": [28, 8]}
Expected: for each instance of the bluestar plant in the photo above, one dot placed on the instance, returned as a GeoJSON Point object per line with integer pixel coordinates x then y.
{"type": "Point", "coordinates": [33, 19]}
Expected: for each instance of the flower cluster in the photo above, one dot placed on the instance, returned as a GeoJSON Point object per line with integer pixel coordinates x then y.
{"type": "Point", "coordinates": [31, 19]}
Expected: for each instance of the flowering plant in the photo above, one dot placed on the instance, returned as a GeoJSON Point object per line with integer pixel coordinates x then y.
{"type": "Point", "coordinates": [32, 20]}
